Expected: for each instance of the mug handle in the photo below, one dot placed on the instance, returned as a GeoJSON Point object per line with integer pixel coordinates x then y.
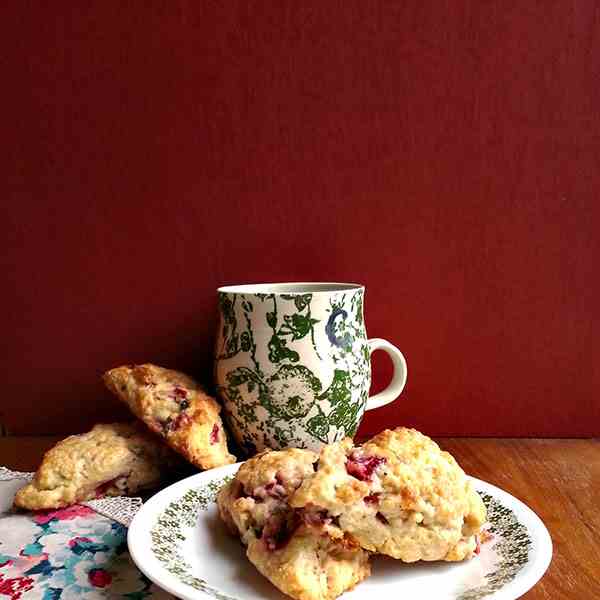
{"type": "Point", "coordinates": [395, 387]}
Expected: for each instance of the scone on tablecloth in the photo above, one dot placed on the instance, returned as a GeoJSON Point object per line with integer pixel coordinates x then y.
{"type": "Point", "coordinates": [110, 460]}
{"type": "Point", "coordinates": [174, 406]}
{"type": "Point", "coordinates": [398, 494]}
{"type": "Point", "coordinates": [289, 547]}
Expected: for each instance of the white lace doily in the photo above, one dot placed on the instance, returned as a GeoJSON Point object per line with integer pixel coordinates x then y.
{"type": "Point", "coordinates": [121, 509]}
{"type": "Point", "coordinates": [8, 475]}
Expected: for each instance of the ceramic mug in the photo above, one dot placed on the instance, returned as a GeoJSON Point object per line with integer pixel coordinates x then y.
{"type": "Point", "coordinates": [293, 363]}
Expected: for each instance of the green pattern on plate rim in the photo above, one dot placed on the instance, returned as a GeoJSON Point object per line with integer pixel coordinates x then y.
{"type": "Point", "coordinates": [168, 533]}
{"type": "Point", "coordinates": [512, 541]}
{"type": "Point", "coordinates": [512, 548]}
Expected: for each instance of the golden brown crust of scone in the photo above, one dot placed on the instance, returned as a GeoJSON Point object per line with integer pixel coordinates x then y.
{"type": "Point", "coordinates": [311, 566]}
{"type": "Point", "coordinates": [292, 549]}
{"type": "Point", "coordinates": [398, 494]}
{"type": "Point", "coordinates": [174, 406]}
{"type": "Point", "coordinates": [415, 504]}
{"type": "Point", "coordinates": [331, 485]}
{"type": "Point", "coordinates": [110, 460]}
{"type": "Point", "coordinates": [288, 467]}
{"type": "Point", "coordinates": [261, 488]}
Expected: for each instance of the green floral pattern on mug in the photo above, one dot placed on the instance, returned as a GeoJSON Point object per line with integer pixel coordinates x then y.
{"type": "Point", "coordinates": [292, 369]}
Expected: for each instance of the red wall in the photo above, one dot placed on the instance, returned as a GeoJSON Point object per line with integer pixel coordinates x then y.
{"type": "Point", "coordinates": [447, 156]}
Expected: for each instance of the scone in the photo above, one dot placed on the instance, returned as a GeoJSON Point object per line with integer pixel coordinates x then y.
{"type": "Point", "coordinates": [310, 565]}
{"type": "Point", "coordinates": [174, 406]}
{"type": "Point", "coordinates": [110, 460]}
{"type": "Point", "coordinates": [398, 495]}
{"type": "Point", "coordinates": [251, 502]}
{"type": "Point", "coordinates": [310, 521]}
{"type": "Point", "coordinates": [292, 548]}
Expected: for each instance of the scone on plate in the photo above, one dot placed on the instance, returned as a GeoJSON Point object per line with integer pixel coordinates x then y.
{"type": "Point", "coordinates": [291, 548]}
{"type": "Point", "coordinates": [310, 565]}
{"type": "Point", "coordinates": [251, 503]}
{"type": "Point", "coordinates": [398, 494]}
{"type": "Point", "coordinates": [174, 406]}
{"type": "Point", "coordinates": [110, 460]}
{"type": "Point", "coordinates": [310, 521]}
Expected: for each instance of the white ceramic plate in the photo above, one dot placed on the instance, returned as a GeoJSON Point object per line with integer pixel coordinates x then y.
{"type": "Point", "coordinates": [177, 540]}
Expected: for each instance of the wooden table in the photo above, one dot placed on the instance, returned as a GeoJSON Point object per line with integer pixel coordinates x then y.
{"type": "Point", "coordinates": [558, 479]}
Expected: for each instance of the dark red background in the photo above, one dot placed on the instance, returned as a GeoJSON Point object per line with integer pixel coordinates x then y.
{"type": "Point", "coordinates": [445, 154]}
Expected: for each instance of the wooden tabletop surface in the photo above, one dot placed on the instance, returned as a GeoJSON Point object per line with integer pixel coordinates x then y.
{"type": "Point", "coordinates": [558, 479]}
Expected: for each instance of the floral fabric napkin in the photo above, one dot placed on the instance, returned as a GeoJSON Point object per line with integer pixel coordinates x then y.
{"type": "Point", "coordinates": [68, 554]}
